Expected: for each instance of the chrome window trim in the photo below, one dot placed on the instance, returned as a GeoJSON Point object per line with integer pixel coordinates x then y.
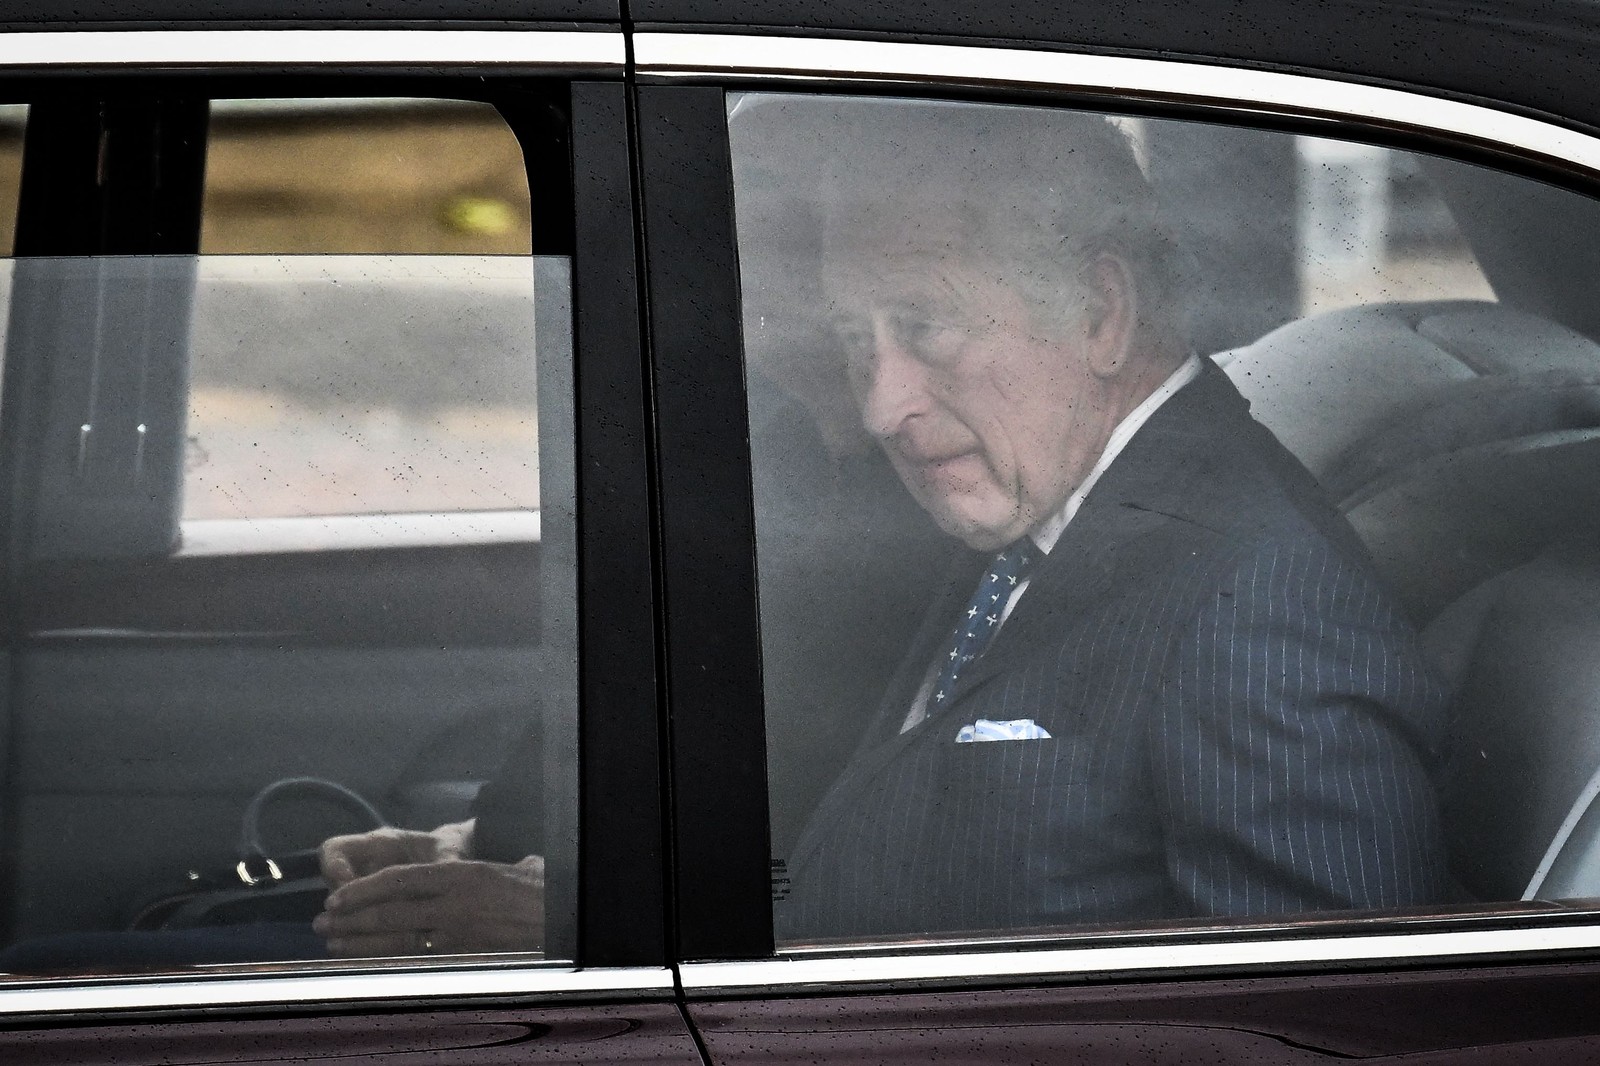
{"type": "Point", "coordinates": [796, 971]}
{"type": "Point", "coordinates": [77, 996]}
{"type": "Point", "coordinates": [354, 532]}
{"type": "Point", "coordinates": [184, 48]}
{"type": "Point", "coordinates": [676, 55]}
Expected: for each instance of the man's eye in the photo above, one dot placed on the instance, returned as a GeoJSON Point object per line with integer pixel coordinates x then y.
{"type": "Point", "coordinates": [929, 340]}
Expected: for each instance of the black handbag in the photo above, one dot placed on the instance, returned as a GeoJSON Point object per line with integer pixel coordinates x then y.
{"type": "Point", "coordinates": [261, 886]}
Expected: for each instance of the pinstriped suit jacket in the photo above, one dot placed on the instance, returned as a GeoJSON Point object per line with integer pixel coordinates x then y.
{"type": "Point", "coordinates": [1241, 722]}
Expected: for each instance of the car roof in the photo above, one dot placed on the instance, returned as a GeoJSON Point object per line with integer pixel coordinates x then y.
{"type": "Point", "coordinates": [1536, 54]}
{"type": "Point", "coordinates": [1530, 53]}
{"type": "Point", "coordinates": [172, 14]}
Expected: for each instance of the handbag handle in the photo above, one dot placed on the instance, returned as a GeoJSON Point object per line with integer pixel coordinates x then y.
{"type": "Point", "coordinates": [255, 866]}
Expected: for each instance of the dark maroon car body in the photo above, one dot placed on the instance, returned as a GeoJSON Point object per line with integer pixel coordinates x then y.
{"type": "Point", "coordinates": [674, 952]}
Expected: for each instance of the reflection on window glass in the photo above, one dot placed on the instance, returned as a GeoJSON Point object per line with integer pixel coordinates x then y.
{"type": "Point", "coordinates": [296, 564]}
{"type": "Point", "coordinates": [363, 176]}
{"type": "Point", "coordinates": [1372, 229]}
{"type": "Point", "coordinates": [13, 119]}
{"type": "Point", "coordinates": [422, 398]}
{"type": "Point", "coordinates": [429, 688]}
{"type": "Point", "coordinates": [1142, 511]}
{"type": "Point", "coordinates": [361, 384]}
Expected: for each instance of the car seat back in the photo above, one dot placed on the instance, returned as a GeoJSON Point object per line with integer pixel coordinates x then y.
{"type": "Point", "coordinates": [1524, 770]}
{"type": "Point", "coordinates": [1454, 436]}
{"type": "Point", "coordinates": [1462, 441]}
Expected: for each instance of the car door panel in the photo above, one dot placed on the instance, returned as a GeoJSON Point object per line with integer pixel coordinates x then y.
{"type": "Point", "coordinates": [1456, 1016]}
{"type": "Point", "coordinates": [623, 1033]}
{"type": "Point", "coordinates": [135, 764]}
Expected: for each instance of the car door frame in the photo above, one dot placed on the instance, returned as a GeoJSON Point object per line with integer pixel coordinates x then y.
{"type": "Point", "coordinates": [619, 950]}
{"type": "Point", "coordinates": [724, 919]}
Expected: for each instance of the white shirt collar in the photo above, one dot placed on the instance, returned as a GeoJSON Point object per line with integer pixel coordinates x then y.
{"type": "Point", "coordinates": [1049, 531]}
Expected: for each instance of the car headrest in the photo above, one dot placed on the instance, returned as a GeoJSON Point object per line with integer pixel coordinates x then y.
{"type": "Point", "coordinates": [1331, 385]}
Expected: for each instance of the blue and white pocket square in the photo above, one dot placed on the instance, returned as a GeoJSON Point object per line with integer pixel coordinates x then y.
{"type": "Point", "coordinates": [1017, 729]}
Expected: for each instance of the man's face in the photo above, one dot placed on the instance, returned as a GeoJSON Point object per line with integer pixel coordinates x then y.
{"type": "Point", "coordinates": [991, 418]}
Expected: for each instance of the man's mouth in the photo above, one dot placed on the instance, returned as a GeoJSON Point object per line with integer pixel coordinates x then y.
{"type": "Point", "coordinates": [949, 470]}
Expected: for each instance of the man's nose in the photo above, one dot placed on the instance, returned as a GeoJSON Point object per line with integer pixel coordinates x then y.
{"type": "Point", "coordinates": [897, 389]}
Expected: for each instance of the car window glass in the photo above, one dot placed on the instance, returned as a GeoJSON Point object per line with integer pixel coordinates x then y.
{"type": "Point", "coordinates": [13, 119]}
{"type": "Point", "coordinates": [337, 204]}
{"type": "Point", "coordinates": [1372, 228]}
{"type": "Point", "coordinates": [1160, 521]}
{"type": "Point", "coordinates": [292, 552]}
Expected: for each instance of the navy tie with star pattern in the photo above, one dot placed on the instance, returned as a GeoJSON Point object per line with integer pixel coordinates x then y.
{"type": "Point", "coordinates": [982, 619]}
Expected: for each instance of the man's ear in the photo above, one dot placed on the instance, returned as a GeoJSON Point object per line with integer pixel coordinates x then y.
{"type": "Point", "coordinates": [1111, 315]}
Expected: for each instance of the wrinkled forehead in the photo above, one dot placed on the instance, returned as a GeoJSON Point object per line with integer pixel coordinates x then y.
{"type": "Point", "coordinates": [896, 222]}
{"type": "Point", "coordinates": [923, 258]}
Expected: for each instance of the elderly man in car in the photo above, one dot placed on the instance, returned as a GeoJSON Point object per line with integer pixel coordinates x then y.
{"type": "Point", "coordinates": [1166, 683]}
{"type": "Point", "coordinates": [1169, 685]}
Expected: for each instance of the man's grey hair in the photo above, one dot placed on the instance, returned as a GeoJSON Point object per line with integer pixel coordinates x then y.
{"type": "Point", "coordinates": [1037, 193]}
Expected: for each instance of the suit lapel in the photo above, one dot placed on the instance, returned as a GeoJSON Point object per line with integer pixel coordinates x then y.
{"type": "Point", "coordinates": [1073, 583]}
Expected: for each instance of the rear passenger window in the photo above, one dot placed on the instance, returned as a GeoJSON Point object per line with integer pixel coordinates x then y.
{"type": "Point", "coordinates": [1162, 522]}
{"type": "Point", "coordinates": [291, 537]}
